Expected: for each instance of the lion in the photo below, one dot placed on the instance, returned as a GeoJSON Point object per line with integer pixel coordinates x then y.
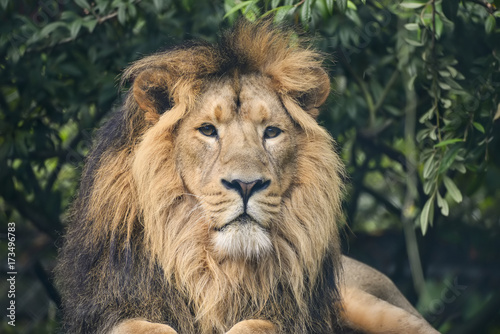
{"type": "Point", "coordinates": [211, 201]}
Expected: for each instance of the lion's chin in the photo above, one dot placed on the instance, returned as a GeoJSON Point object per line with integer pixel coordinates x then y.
{"type": "Point", "coordinates": [242, 239]}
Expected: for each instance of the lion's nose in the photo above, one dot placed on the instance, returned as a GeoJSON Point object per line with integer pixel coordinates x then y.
{"type": "Point", "coordinates": [246, 189]}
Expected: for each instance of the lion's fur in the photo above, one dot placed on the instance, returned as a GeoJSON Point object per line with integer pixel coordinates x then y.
{"type": "Point", "coordinates": [137, 244]}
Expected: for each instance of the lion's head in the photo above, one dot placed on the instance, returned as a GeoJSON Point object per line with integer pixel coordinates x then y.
{"type": "Point", "coordinates": [225, 177]}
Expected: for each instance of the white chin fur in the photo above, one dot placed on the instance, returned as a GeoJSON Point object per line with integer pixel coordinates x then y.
{"type": "Point", "coordinates": [247, 240]}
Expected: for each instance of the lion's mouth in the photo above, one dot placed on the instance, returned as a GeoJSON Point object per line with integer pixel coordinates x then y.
{"type": "Point", "coordinates": [242, 219]}
{"type": "Point", "coordinates": [243, 237]}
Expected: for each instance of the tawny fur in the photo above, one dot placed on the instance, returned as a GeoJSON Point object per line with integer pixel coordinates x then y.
{"type": "Point", "coordinates": [140, 253]}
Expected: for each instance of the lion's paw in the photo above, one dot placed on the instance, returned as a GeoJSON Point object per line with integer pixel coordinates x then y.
{"type": "Point", "coordinates": [136, 326]}
{"type": "Point", "coordinates": [253, 327]}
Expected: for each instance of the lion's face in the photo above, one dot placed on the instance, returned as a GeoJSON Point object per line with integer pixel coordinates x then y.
{"type": "Point", "coordinates": [236, 154]}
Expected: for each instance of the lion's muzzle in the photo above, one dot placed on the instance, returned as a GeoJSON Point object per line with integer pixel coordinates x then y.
{"type": "Point", "coordinates": [246, 189]}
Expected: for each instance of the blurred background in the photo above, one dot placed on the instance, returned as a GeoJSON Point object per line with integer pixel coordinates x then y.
{"type": "Point", "coordinates": [414, 109]}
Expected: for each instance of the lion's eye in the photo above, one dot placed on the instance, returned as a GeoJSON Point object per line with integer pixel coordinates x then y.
{"type": "Point", "coordinates": [272, 132]}
{"type": "Point", "coordinates": [208, 130]}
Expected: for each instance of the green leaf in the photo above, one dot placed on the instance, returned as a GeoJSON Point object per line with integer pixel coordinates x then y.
{"type": "Point", "coordinates": [102, 5]}
{"type": "Point", "coordinates": [411, 26]}
{"type": "Point", "coordinates": [50, 28]}
{"type": "Point", "coordinates": [132, 11]}
{"type": "Point", "coordinates": [74, 28]}
{"type": "Point", "coordinates": [448, 159]}
{"type": "Point", "coordinates": [422, 134]}
{"type": "Point", "coordinates": [452, 189]}
{"type": "Point", "coordinates": [453, 71]}
{"type": "Point", "coordinates": [280, 12]}
{"type": "Point", "coordinates": [413, 42]}
{"type": "Point", "coordinates": [351, 5]}
{"type": "Point", "coordinates": [122, 15]}
{"type": "Point", "coordinates": [429, 185]}
{"type": "Point", "coordinates": [439, 26]}
{"type": "Point", "coordinates": [83, 3]}
{"type": "Point", "coordinates": [489, 24]}
{"type": "Point", "coordinates": [251, 13]}
{"type": "Point", "coordinates": [139, 25]}
{"type": "Point", "coordinates": [4, 3]}
{"type": "Point", "coordinates": [69, 16]}
{"type": "Point", "coordinates": [428, 115]}
{"type": "Point", "coordinates": [478, 126]}
{"type": "Point", "coordinates": [275, 3]}
{"type": "Point", "coordinates": [443, 204]}
{"type": "Point", "coordinates": [185, 3]}
{"type": "Point", "coordinates": [305, 12]}
{"type": "Point", "coordinates": [411, 82]}
{"type": "Point", "coordinates": [412, 4]}
{"type": "Point", "coordinates": [158, 4]}
{"type": "Point", "coordinates": [90, 24]}
{"type": "Point", "coordinates": [460, 167]}
{"type": "Point", "coordinates": [432, 134]}
{"type": "Point", "coordinates": [342, 4]}
{"type": "Point", "coordinates": [428, 167]}
{"type": "Point", "coordinates": [329, 6]}
{"type": "Point", "coordinates": [239, 6]}
{"type": "Point", "coordinates": [444, 74]}
{"type": "Point", "coordinates": [427, 215]}
{"type": "Point", "coordinates": [444, 85]}
{"type": "Point", "coordinates": [448, 142]}
{"type": "Point", "coordinates": [354, 17]}
{"type": "Point", "coordinates": [446, 103]}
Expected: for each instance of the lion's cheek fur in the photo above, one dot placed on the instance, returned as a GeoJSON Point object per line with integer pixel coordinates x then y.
{"type": "Point", "coordinates": [158, 185]}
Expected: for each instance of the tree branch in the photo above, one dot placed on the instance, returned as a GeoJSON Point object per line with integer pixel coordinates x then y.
{"type": "Point", "coordinates": [388, 204]}
{"type": "Point", "coordinates": [364, 89]}
{"type": "Point", "coordinates": [39, 219]}
{"type": "Point", "coordinates": [100, 20]}
{"type": "Point", "coordinates": [486, 5]}
{"type": "Point", "coordinates": [384, 149]}
{"type": "Point", "coordinates": [47, 283]}
{"type": "Point", "coordinates": [387, 88]}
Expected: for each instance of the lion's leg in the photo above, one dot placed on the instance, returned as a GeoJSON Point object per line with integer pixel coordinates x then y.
{"type": "Point", "coordinates": [367, 313]}
{"type": "Point", "coordinates": [137, 326]}
{"type": "Point", "coordinates": [253, 327]}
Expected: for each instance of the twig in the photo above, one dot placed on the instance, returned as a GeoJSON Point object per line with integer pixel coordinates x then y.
{"type": "Point", "coordinates": [364, 89]}
{"type": "Point", "coordinates": [100, 20]}
{"type": "Point", "coordinates": [384, 149]}
{"type": "Point", "coordinates": [47, 283]}
{"type": "Point", "coordinates": [388, 204]}
{"type": "Point", "coordinates": [107, 17]}
{"type": "Point", "coordinates": [387, 88]}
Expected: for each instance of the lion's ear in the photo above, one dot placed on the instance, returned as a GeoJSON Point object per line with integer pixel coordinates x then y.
{"type": "Point", "coordinates": [151, 92]}
{"type": "Point", "coordinates": [312, 99]}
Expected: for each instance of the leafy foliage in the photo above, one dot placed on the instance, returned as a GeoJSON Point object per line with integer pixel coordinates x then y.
{"type": "Point", "coordinates": [415, 110]}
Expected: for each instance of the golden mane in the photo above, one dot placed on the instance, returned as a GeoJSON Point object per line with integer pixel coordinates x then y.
{"type": "Point", "coordinates": [135, 193]}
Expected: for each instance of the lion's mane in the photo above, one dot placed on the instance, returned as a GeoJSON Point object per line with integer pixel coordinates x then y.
{"type": "Point", "coordinates": [135, 246]}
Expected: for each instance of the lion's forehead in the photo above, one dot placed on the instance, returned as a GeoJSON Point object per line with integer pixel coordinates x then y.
{"type": "Point", "coordinates": [249, 98]}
